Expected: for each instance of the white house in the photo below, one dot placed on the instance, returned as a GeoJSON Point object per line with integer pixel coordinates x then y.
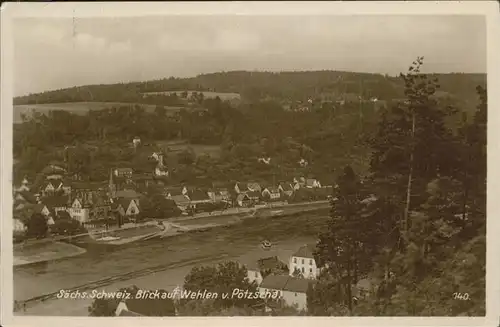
{"type": "Point", "coordinates": [263, 267]}
{"type": "Point", "coordinates": [78, 212]}
{"type": "Point", "coordinates": [298, 182]}
{"type": "Point", "coordinates": [312, 183]}
{"type": "Point", "coordinates": [41, 208]}
{"type": "Point", "coordinates": [136, 141]}
{"type": "Point", "coordinates": [286, 188]}
{"type": "Point", "coordinates": [293, 291]}
{"type": "Point", "coordinates": [304, 262]}
{"type": "Point", "coordinates": [123, 172]}
{"type": "Point", "coordinates": [161, 171]}
{"type": "Point", "coordinates": [52, 186]}
{"type": "Point", "coordinates": [130, 206]}
{"type": "Point", "coordinates": [254, 274]}
{"type": "Point", "coordinates": [18, 226]}
{"type": "Point", "coordinates": [272, 193]}
{"type": "Point", "coordinates": [24, 186]}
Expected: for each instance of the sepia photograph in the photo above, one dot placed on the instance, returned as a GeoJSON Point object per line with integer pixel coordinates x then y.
{"type": "Point", "coordinates": [225, 164]}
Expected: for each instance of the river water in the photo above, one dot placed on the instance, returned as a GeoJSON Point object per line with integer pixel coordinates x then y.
{"type": "Point", "coordinates": [240, 242]}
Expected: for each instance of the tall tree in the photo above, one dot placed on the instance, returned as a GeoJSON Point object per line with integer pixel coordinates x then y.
{"type": "Point", "coordinates": [342, 247]}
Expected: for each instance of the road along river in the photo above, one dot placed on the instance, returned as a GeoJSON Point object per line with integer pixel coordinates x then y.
{"type": "Point", "coordinates": [161, 263]}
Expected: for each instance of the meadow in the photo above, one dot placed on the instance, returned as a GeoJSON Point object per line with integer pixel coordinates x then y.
{"type": "Point", "coordinates": [76, 108]}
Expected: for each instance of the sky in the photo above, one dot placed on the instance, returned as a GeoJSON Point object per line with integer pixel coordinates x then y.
{"type": "Point", "coordinates": [53, 53]}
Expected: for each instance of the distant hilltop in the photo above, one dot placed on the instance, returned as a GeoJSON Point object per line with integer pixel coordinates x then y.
{"type": "Point", "coordinates": [250, 86]}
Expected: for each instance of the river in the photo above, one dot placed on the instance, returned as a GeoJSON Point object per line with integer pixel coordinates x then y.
{"type": "Point", "coordinates": [240, 242]}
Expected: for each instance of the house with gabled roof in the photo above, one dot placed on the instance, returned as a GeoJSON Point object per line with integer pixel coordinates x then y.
{"type": "Point", "coordinates": [219, 195]}
{"type": "Point", "coordinates": [170, 192]}
{"type": "Point", "coordinates": [303, 262]}
{"type": "Point", "coordinates": [126, 207]}
{"type": "Point", "coordinates": [79, 210]}
{"type": "Point", "coordinates": [51, 186]}
{"type": "Point", "coordinates": [299, 182]}
{"type": "Point", "coordinates": [198, 197]}
{"type": "Point", "coordinates": [245, 187]}
{"type": "Point", "coordinates": [271, 193]}
{"type": "Point", "coordinates": [254, 196]}
{"type": "Point", "coordinates": [243, 200]}
{"type": "Point", "coordinates": [286, 188]}
{"type": "Point", "coordinates": [261, 268]}
{"type": "Point", "coordinates": [181, 201]}
{"type": "Point", "coordinates": [292, 290]}
{"type": "Point", "coordinates": [56, 203]}
{"type": "Point", "coordinates": [312, 183]}
{"type": "Point", "coordinates": [123, 172]}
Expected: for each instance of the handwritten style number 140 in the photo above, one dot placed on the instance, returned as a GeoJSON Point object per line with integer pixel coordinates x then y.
{"type": "Point", "coordinates": [461, 296]}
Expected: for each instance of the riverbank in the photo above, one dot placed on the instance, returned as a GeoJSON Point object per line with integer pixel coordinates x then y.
{"type": "Point", "coordinates": [287, 233]}
{"type": "Point", "coordinates": [48, 250]}
{"type": "Point", "coordinates": [30, 253]}
{"type": "Point", "coordinates": [167, 279]}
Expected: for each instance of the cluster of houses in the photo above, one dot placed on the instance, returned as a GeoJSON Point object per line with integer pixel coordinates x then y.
{"type": "Point", "coordinates": [291, 281]}
{"type": "Point", "coordinates": [90, 202]}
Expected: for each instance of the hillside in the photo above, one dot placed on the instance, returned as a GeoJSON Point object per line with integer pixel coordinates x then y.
{"type": "Point", "coordinates": [252, 86]}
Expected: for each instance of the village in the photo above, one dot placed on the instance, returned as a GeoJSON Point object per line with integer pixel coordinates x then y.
{"type": "Point", "coordinates": [60, 195]}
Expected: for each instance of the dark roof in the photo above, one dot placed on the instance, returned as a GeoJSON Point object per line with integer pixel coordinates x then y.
{"type": "Point", "coordinates": [56, 201]}
{"type": "Point", "coordinates": [268, 263]}
{"type": "Point", "coordinates": [28, 196]}
{"type": "Point", "coordinates": [275, 282]}
{"type": "Point", "coordinates": [254, 194]}
{"type": "Point", "coordinates": [173, 191]}
{"type": "Point", "coordinates": [123, 202]}
{"type": "Point", "coordinates": [241, 197]}
{"type": "Point", "coordinates": [253, 185]}
{"type": "Point", "coordinates": [287, 186]}
{"type": "Point", "coordinates": [180, 199]}
{"type": "Point", "coordinates": [297, 285]}
{"type": "Point", "coordinates": [131, 194]}
{"type": "Point", "coordinates": [272, 189]}
{"type": "Point", "coordinates": [38, 207]}
{"type": "Point", "coordinates": [286, 283]}
{"type": "Point", "coordinates": [305, 251]}
{"type": "Point", "coordinates": [88, 185]}
{"type": "Point", "coordinates": [198, 195]}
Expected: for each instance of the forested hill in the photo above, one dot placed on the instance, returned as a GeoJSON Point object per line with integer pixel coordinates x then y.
{"type": "Point", "coordinates": [285, 86]}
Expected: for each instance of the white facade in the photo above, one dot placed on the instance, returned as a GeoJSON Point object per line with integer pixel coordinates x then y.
{"type": "Point", "coordinates": [18, 225]}
{"type": "Point", "coordinates": [254, 276]}
{"type": "Point", "coordinates": [295, 299]}
{"type": "Point", "coordinates": [272, 194]}
{"type": "Point", "coordinates": [306, 266]}
{"type": "Point", "coordinates": [132, 209]}
{"type": "Point", "coordinates": [291, 299]}
{"type": "Point", "coordinates": [77, 212]}
{"type": "Point", "coordinates": [160, 171]}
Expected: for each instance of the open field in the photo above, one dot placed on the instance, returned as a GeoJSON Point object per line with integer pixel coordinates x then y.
{"type": "Point", "coordinates": [76, 107]}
